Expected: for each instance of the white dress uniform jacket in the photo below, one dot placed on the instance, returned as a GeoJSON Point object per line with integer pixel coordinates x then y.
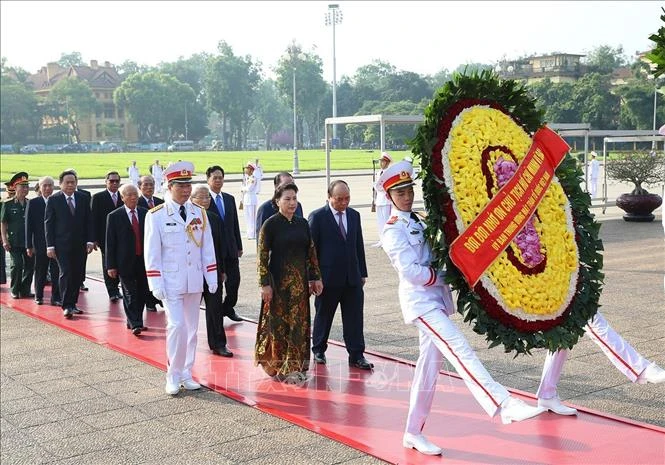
{"type": "Point", "coordinates": [249, 191]}
{"type": "Point", "coordinates": [178, 254]}
{"type": "Point", "coordinates": [421, 288]}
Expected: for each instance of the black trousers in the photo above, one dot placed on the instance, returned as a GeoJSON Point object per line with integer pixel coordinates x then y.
{"type": "Point", "coordinates": [21, 269]}
{"type": "Point", "coordinates": [134, 289]}
{"type": "Point", "coordinates": [351, 300]}
{"type": "Point", "coordinates": [232, 269]}
{"type": "Point", "coordinates": [214, 317]}
{"type": "Point", "coordinates": [110, 283]}
{"type": "Point", "coordinates": [3, 265]}
{"type": "Point", "coordinates": [72, 264]}
{"type": "Point", "coordinates": [43, 267]}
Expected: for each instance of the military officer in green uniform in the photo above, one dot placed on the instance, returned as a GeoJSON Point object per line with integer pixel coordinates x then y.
{"type": "Point", "coordinates": [12, 227]}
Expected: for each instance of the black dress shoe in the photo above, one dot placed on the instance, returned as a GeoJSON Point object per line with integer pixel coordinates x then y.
{"type": "Point", "coordinates": [144, 328]}
{"type": "Point", "coordinates": [39, 301]}
{"type": "Point", "coordinates": [76, 310]}
{"type": "Point", "coordinates": [234, 316]}
{"type": "Point", "coordinates": [15, 296]}
{"type": "Point", "coordinates": [115, 297]}
{"type": "Point", "coordinates": [68, 313]}
{"type": "Point", "coordinates": [361, 363]}
{"type": "Point", "coordinates": [222, 351]}
{"type": "Point", "coordinates": [84, 287]}
{"type": "Point", "coordinates": [136, 331]}
{"type": "Point", "coordinates": [320, 358]}
{"type": "Point", "coordinates": [56, 303]}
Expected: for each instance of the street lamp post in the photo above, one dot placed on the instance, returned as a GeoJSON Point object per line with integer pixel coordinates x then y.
{"type": "Point", "coordinates": [296, 168]}
{"type": "Point", "coordinates": [333, 17]}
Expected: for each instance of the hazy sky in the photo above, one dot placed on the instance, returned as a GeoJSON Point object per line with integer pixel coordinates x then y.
{"type": "Point", "coordinates": [414, 36]}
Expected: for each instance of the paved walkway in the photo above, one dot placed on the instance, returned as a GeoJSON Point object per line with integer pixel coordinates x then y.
{"type": "Point", "coordinates": [66, 400]}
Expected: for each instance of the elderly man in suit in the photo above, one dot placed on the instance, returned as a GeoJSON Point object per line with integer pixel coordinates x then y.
{"type": "Point", "coordinates": [69, 237]}
{"type": "Point", "coordinates": [225, 206]}
{"type": "Point", "coordinates": [35, 243]}
{"type": "Point", "coordinates": [214, 316]}
{"type": "Point", "coordinates": [179, 254]}
{"type": "Point", "coordinates": [338, 238]}
{"type": "Point", "coordinates": [148, 200]}
{"type": "Point", "coordinates": [124, 255]}
{"type": "Point", "coordinates": [103, 203]}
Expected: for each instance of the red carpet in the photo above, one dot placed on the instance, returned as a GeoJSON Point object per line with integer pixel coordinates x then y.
{"type": "Point", "coordinates": [367, 410]}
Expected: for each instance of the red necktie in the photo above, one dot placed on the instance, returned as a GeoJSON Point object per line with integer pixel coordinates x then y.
{"type": "Point", "coordinates": [151, 204]}
{"type": "Point", "coordinates": [137, 234]}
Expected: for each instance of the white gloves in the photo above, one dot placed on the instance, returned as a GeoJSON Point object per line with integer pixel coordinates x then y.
{"type": "Point", "coordinates": [160, 294]}
{"type": "Point", "coordinates": [212, 288]}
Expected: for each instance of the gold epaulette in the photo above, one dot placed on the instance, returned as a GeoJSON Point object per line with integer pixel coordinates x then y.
{"type": "Point", "coordinates": [154, 209]}
{"type": "Point", "coordinates": [422, 215]}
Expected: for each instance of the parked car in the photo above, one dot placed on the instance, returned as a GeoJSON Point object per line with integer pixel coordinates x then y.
{"type": "Point", "coordinates": [73, 148]}
{"type": "Point", "coordinates": [29, 149]}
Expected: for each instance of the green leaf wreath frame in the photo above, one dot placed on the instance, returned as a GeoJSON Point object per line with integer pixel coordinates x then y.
{"type": "Point", "coordinates": [511, 97]}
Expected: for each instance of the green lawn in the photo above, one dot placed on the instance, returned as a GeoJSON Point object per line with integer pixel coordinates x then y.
{"type": "Point", "coordinates": [96, 165]}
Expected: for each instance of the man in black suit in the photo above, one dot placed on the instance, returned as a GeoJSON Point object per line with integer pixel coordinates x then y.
{"type": "Point", "coordinates": [268, 208]}
{"type": "Point", "coordinates": [225, 206]}
{"type": "Point", "coordinates": [103, 203]}
{"type": "Point", "coordinates": [69, 237]}
{"type": "Point", "coordinates": [214, 313]}
{"type": "Point", "coordinates": [147, 188]}
{"type": "Point", "coordinates": [338, 238]}
{"type": "Point", "coordinates": [149, 201]}
{"type": "Point", "coordinates": [124, 255]}
{"type": "Point", "coordinates": [35, 243]}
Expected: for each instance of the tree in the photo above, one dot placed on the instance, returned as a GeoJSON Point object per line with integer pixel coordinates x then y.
{"type": "Point", "coordinates": [310, 87]}
{"type": "Point", "coordinates": [230, 85]}
{"type": "Point", "coordinates": [556, 99]}
{"type": "Point", "coordinates": [156, 102]}
{"type": "Point", "coordinates": [19, 113]}
{"type": "Point", "coordinates": [13, 73]}
{"type": "Point", "coordinates": [636, 111]}
{"type": "Point", "coordinates": [70, 59]}
{"type": "Point", "coordinates": [129, 67]}
{"type": "Point", "coordinates": [469, 68]}
{"type": "Point", "coordinates": [271, 113]}
{"type": "Point", "coordinates": [597, 105]}
{"type": "Point", "coordinates": [657, 54]}
{"type": "Point", "coordinates": [605, 59]}
{"type": "Point", "coordinates": [74, 100]}
{"type": "Point", "coordinates": [439, 79]}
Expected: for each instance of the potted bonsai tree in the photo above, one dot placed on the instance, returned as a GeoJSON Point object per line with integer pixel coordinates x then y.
{"type": "Point", "coordinates": [640, 168]}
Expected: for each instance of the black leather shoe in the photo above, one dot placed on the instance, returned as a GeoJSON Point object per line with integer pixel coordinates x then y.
{"type": "Point", "coordinates": [67, 313]}
{"type": "Point", "coordinates": [76, 310]}
{"type": "Point", "coordinates": [115, 297]}
{"type": "Point", "coordinates": [151, 309]}
{"type": "Point", "coordinates": [39, 301]}
{"type": "Point", "coordinates": [84, 287]}
{"type": "Point", "coordinates": [234, 316]}
{"type": "Point", "coordinates": [223, 352]}
{"type": "Point", "coordinates": [56, 303]}
{"type": "Point", "coordinates": [144, 328]}
{"type": "Point", "coordinates": [320, 358]}
{"type": "Point", "coordinates": [136, 331]}
{"type": "Point", "coordinates": [361, 363]}
{"type": "Point", "coordinates": [15, 296]}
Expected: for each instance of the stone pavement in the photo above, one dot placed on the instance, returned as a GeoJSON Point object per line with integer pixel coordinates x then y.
{"type": "Point", "coordinates": [67, 400]}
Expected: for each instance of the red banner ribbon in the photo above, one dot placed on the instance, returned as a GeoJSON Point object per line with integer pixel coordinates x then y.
{"type": "Point", "coordinates": [509, 210]}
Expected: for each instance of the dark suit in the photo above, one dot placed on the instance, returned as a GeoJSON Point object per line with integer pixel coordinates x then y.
{"type": "Point", "coordinates": [233, 244]}
{"type": "Point", "coordinates": [267, 209]}
{"type": "Point", "coordinates": [35, 238]}
{"type": "Point", "coordinates": [120, 243]}
{"type": "Point", "coordinates": [144, 203]}
{"type": "Point", "coordinates": [102, 205]}
{"type": "Point", "coordinates": [342, 263]}
{"type": "Point", "coordinates": [89, 195]}
{"type": "Point", "coordinates": [214, 310]}
{"type": "Point", "coordinates": [69, 235]}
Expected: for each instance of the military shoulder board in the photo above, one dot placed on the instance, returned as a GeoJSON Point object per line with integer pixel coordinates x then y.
{"type": "Point", "coordinates": [154, 209]}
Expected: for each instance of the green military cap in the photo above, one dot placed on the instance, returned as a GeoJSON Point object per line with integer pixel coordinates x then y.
{"type": "Point", "coordinates": [18, 179]}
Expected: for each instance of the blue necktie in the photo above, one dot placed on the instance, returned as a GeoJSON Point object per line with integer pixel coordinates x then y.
{"type": "Point", "coordinates": [220, 205]}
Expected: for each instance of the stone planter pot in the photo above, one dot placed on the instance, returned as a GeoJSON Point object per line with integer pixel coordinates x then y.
{"type": "Point", "coordinates": [639, 207]}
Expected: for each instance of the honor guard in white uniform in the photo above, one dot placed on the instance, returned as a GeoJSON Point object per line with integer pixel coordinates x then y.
{"type": "Point", "coordinates": [179, 254]}
{"type": "Point", "coordinates": [426, 303]}
{"type": "Point", "coordinates": [383, 205]}
{"type": "Point", "coordinates": [250, 199]}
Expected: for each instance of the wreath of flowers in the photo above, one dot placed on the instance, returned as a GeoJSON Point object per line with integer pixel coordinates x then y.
{"type": "Point", "coordinates": [542, 290]}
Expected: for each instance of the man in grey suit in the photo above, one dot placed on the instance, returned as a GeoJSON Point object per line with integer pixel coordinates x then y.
{"type": "Point", "coordinates": [338, 238]}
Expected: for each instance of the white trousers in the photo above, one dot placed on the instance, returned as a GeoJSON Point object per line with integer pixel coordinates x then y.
{"type": "Point", "coordinates": [593, 187]}
{"type": "Point", "coordinates": [250, 220]}
{"type": "Point", "coordinates": [382, 216]}
{"type": "Point", "coordinates": [439, 337]}
{"type": "Point", "coordinates": [622, 355]}
{"type": "Point", "coordinates": [182, 324]}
